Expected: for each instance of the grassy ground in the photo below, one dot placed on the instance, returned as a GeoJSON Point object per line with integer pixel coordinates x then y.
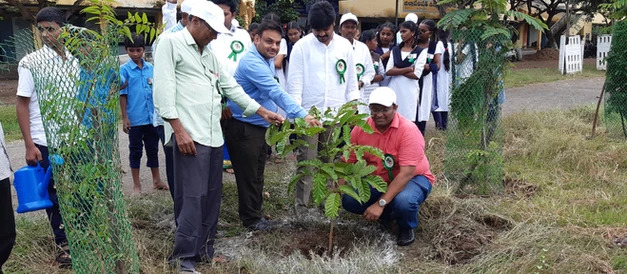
{"type": "Point", "coordinates": [9, 123]}
{"type": "Point", "coordinates": [522, 77]}
{"type": "Point", "coordinates": [563, 211]}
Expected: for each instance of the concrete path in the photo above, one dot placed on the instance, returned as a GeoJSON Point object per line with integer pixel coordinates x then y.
{"type": "Point", "coordinates": [554, 95]}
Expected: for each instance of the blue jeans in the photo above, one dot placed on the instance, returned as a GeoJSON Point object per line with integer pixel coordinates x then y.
{"type": "Point", "coordinates": [404, 207]}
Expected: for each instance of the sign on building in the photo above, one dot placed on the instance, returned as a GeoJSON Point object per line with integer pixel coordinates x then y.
{"type": "Point", "coordinates": [421, 7]}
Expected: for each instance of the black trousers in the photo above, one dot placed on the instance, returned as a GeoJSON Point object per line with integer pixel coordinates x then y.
{"type": "Point", "coordinates": [54, 215]}
{"type": "Point", "coordinates": [248, 149]}
{"type": "Point", "coordinates": [7, 222]}
{"type": "Point", "coordinates": [197, 198]}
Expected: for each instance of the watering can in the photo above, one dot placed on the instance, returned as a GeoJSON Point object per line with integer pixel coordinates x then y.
{"type": "Point", "coordinates": [31, 185]}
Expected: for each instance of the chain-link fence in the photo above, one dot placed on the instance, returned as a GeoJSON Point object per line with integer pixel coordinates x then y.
{"type": "Point", "coordinates": [474, 137]}
{"type": "Point", "coordinates": [76, 82]}
{"type": "Point", "coordinates": [616, 84]}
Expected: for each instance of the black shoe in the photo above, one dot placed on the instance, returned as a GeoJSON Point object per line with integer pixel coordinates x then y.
{"type": "Point", "coordinates": [263, 225]}
{"type": "Point", "coordinates": [406, 236]}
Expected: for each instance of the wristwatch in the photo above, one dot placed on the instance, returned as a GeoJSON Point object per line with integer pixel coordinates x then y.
{"type": "Point", "coordinates": [382, 202]}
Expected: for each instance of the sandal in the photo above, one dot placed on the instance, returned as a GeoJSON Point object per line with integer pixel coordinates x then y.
{"type": "Point", "coordinates": [64, 259]}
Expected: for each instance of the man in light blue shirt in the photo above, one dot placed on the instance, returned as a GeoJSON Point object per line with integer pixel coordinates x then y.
{"type": "Point", "coordinates": [245, 135]}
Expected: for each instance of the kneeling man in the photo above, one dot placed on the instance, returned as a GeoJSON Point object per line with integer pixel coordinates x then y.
{"type": "Point", "coordinates": [405, 168]}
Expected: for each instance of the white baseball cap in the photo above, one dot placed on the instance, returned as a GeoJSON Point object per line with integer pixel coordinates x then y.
{"type": "Point", "coordinates": [384, 96]}
{"type": "Point", "coordinates": [210, 13]}
{"type": "Point", "coordinates": [348, 16]}
{"type": "Point", "coordinates": [187, 5]}
{"type": "Point", "coordinates": [412, 17]}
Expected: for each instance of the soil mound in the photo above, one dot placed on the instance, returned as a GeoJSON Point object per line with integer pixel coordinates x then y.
{"type": "Point", "coordinates": [544, 54]}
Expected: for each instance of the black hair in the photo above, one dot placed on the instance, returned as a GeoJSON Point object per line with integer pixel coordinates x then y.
{"type": "Point", "coordinates": [432, 27]}
{"type": "Point", "coordinates": [51, 14]}
{"type": "Point", "coordinates": [253, 27]}
{"type": "Point", "coordinates": [269, 25]}
{"type": "Point", "coordinates": [321, 15]}
{"type": "Point", "coordinates": [137, 42]}
{"type": "Point", "coordinates": [230, 3]}
{"type": "Point", "coordinates": [367, 35]}
{"type": "Point", "coordinates": [293, 25]}
{"type": "Point", "coordinates": [443, 36]}
{"type": "Point", "coordinates": [412, 27]}
{"type": "Point", "coordinates": [272, 17]}
{"type": "Point", "coordinates": [392, 28]}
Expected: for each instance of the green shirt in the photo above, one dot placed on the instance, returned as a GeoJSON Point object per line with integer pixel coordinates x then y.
{"type": "Point", "coordinates": [188, 86]}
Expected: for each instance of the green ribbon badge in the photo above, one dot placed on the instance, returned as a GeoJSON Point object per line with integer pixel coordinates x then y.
{"type": "Point", "coordinates": [376, 68]}
{"type": "Point", "coordinates": [277, 79]}
{"type": "Point", "coordinates": [236, 48]}
{"type": "Point", "coordinates": [388, 164]}
{"type": "Point", "coordinates": [340, 67]}
{"type": "Point", "coordinates": [412, 57]}
{"type": "Point", "coordinates": [360, 70]}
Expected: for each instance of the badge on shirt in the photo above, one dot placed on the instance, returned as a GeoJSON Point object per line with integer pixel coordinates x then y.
{"type": "Point", "coordinates": [360, 70]}
{"type": "Point", "coordinates": [388, 164]}
{"type": "Point", "coordinates": [150, 82]}
{"type": "Point", "coordinates": [340, 67]}
{"type": "Point", "coordinates": [412, 57]}
{"type": "Point", "coordinates": [236, 48]}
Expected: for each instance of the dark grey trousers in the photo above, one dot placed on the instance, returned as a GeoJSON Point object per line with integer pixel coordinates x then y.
{"type": "Point", "coordinates": [197, 198]}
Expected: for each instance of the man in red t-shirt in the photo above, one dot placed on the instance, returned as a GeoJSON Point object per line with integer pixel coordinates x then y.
{"type": "Point", "coordinates": [405, 167]}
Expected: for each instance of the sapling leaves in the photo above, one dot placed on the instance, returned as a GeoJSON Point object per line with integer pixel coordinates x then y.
{"type": "Point", "coordinates": [332, 205]}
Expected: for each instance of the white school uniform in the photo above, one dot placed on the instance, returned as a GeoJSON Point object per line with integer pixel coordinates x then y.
{"type": "Point", "coordinates": [407, 89]}
{"type": "Point", "coordinates": [424, 111]}
{"type": "Point", "coordinates": [444, 81]}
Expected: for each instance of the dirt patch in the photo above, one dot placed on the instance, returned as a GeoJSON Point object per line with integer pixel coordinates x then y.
{"type": "Point", "coordinates": [519, 188]}
{"type": "Point", "coordinates": [311, 241]}
{"type": "Point", "coordinates": [457, 232]}
{"type": "Point", "coordinates": [545, 54]}
{"type": "Point", "coordinates": [616, 238]}
{"type": "Point", "coordinates": [8, 88]}
{"type": "Point", "coordinates": [529, 62]}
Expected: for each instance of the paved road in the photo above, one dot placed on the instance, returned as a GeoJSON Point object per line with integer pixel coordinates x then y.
{"type": "Point", "coordinates": [545, 96]}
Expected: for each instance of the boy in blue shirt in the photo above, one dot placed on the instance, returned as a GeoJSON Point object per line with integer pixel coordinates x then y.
{"type": "Point", "coordinates": [137, 112]}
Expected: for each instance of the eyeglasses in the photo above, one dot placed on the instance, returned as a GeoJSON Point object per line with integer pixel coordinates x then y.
{"type": "Point", "coordinates": [374, 110]}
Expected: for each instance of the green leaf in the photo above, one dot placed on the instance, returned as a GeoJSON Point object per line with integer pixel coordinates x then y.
{"type": "Point", "coordinates": [350, 192]}
{"type": "Point", "coordinates": [138, 18]}
{"type": "Point", "coordinates": [455, 18]}
{"type": "Point", "coordinates": [377, 183]}
{"type": "Point", "coordinates": [144, 18]}
{"type": "Point", "coordinates": [329, 171]}
{"type": "Point", "coordinates": [367, 170]}
{"type": "Point", "coordinates": [364, 189]}
{"type": "Point", "coordinates": [346, 134]}
{"type": "Point", "coordinates": [319, 187]}
{"type": "Point", "coordinates": [332, 205]}
{"type": "Point", "coordinates": [293, 182]}
{"type": "Point", "coordinates": [532, 21]}
{"type": "Point", "coordinates": [312, 131]}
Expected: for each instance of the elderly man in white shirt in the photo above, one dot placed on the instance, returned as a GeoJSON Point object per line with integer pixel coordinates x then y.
{"type": "Point", "coordinates": [322, 74]}
{"type": "Point", "coordinates": [362, 57]}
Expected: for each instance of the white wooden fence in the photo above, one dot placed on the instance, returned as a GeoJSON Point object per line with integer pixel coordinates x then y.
{"type": "Point", "coordinates": [571, 55]}
{"type": "Point", "coordinates": [603, 48]}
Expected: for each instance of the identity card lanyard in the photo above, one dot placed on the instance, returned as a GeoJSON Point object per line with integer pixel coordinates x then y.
{"type": "Point", "coordinates": [236, 48]}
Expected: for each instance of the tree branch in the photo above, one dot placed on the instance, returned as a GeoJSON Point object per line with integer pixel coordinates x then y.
{"type": "Point", "coordinates": [23, 11]}
{"type": "Point", "coordinates": [73, 9]}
